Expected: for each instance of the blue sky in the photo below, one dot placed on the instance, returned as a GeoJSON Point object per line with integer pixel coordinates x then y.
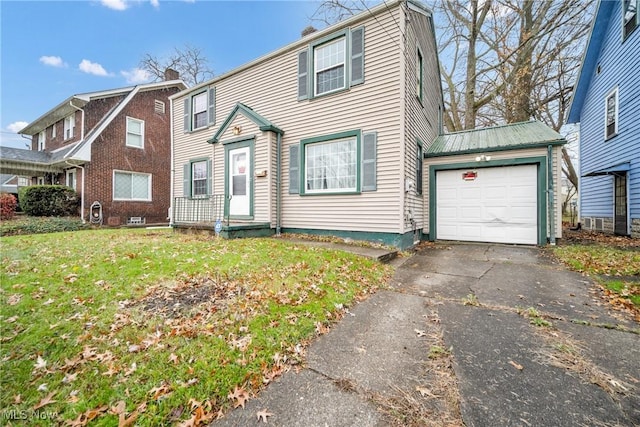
{"type": "Point", "coordinates": [51, 50]}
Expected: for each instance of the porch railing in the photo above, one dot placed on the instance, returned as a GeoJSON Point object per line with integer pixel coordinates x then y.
{"type": "Point", "coordinates": [198, 210]}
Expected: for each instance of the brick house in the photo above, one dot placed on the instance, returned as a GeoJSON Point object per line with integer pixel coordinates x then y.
{"type": "Point", "coordinates": [113, 147]}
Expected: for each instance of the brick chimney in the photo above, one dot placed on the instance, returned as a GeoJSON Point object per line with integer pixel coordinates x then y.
{"type": "Point", "coordinates": [171, 74]}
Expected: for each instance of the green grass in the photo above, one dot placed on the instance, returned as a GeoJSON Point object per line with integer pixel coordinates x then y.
{"type": "Point", "coordinates": [616, 269]}
{"type": "Point", "coordinates": [100, 308]}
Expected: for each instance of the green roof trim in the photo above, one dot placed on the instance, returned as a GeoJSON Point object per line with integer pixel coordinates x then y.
{"type": "Point", "coordinates": [515, 136]}
{"type": "Point", "coordinates": [262, 123]}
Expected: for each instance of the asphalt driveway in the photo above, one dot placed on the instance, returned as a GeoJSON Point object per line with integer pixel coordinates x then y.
{"type": "Point", "coordinates": [480, 335]}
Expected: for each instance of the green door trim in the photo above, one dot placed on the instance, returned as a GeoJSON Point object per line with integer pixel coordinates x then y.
{"type": "Point", "coordinates": [230, 147]}
{"type": "Point", "coordinates": [540, 162]}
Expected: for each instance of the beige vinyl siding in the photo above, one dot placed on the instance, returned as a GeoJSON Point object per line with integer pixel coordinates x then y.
{"type": "Point", "coordinates": [501, 155]}
{"type": "Point", "coordinates": [270, 89]}
{"type": "Point", "coordinates": [421, 117]}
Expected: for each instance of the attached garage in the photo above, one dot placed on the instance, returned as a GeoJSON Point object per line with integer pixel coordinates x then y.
{"type": "Point", "coordinates": [495, 185]}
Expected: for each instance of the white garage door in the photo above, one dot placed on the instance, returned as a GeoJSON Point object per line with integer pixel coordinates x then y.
{"type": "Point", "coordinates": [488, 204]}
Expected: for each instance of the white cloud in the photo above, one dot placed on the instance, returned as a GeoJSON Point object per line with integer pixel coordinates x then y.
{"type": "Point", "coordinates": [136, 76]}
{"type": "Point", "coordinates": [53, 61]}
{"type": "Point", "coordinates": [16, 127]}
{"type": "Point", "coordinates": [155, 3]}
{"type": "Point", "coordinates": [115, 4]}
{"type": "Point", "coordinates": [94, 68]}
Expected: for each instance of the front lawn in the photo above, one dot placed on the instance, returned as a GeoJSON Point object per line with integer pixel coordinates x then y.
{"type": "Point", "coordinates": [613, 262]}
{"type": "Point", "coordinates": [104, 327]}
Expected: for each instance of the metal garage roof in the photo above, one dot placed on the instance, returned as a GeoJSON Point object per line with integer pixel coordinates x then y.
{"type": "Point", "coordinates": [514, 136]}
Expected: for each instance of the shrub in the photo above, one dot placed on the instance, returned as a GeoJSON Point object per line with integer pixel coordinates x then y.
{"type": "Point", "coordinates": [8, 204]}
{"type": "Point", "coordinates": [49, 200]}
{"type": "Point", "coordinates": [34, 225]}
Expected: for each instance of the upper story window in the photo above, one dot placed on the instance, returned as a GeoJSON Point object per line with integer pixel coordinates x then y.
{"type": "Point", "coordinates": [200, 110]}
{"type": "Point", "coordinates": [41, 141]}
{"type": "Point", "coordinates": [331, 64]}
{"type": "Point", "coordinates": [135, 133]}
{"type": "Point", "coordinates": [69, 126]}
{"type": "Point", "coordinates": [629, 17]}
{"type": "Point", "coordinates": [53, 131]}
{"type": "Point", "coordinates": [131, 186]}
{"type": "Point", "coordinates": [611, 114]}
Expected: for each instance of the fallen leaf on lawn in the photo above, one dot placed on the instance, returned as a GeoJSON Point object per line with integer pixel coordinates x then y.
{"type": "Point", "coordinates": [134, 348]}
{"type": "Point", "coordinates": [11, 319]}
{"type": "Point", "coordinates": [17, 399]}
{"type": "Point", "coordinates": [14, 299]}
{"type": "Point", "coordinates": [161, 391]}
{"type": "Point", "coordinates": [48, 302]}
{"type": "Point", "coordinates": [420, 333]}
{"type": "Point", "coordinates": [173, 358]}
{"type": "Point", "coordinates": [47, 400]}
{"type": "Point", "coordinates": [119, 408]}
{"type": "Point", "coordinates": [89, 415]}
{"type": "Point", "coordinates": [262, 415]}
{"type": "Point", "coordinates": [40, 363]}
{"type": "Point", "coordinates": [70, 278]}
{"type": "Point", "coordinates": [131, 370]}
{"type": "Point", "coordinates": [516, 365]}
{"type": "Point", "coordinates": [69, 378]}
{"type": "Point", "coordinates": [42, 387]}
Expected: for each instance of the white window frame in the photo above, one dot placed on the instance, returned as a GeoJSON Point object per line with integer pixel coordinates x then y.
{"type": "Point", "coordinates": [69, 126]}
{"type": "Point", "coordinates": [194, 112]}
{"type": "Point", "coordinates": [205, 179]}
{"type": "Point", "coordinates": [317, 70]}
{"type": "Point", "coordinates": [635, 19]}
{"type": "Point", "coordinates": [132, 199]}
{"type": "Point", "coordinates": [325, 143]}
{"type": "Point", "coordinates": [40, 180]}
{"type": "Point", "coordinates": [158, 106]}
{"type": "Point", "coordinates": [71, 178]}
{"type": "Point", "coordinates": [42, 139]}
{"type": "Point", "coordinates": [613, 93]}
{"type": "Point", "coordinates": [53, 131]}
{"type": "Point", "coordinates": [129, 132]}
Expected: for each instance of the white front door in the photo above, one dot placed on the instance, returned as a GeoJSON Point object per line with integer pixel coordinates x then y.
{"type": "Point", "coordinates": [239, 182]}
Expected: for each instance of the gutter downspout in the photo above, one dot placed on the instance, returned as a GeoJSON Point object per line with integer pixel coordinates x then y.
{"type": "Point", "coordinates": [551, 196]}
{"type": "Point", "coordinates": [172, 171]}
{"type": "Point", "coordinates": [81, 191]}
{"type": "Point", "coordinates": [278, 184]}
{"type": "Point", "coordinates": [82, 126]}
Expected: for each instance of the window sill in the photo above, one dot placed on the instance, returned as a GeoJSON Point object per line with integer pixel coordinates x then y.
{"type": "Point", "coordinates": [610, 137]}
{"type": "Point", "coordinates": [333, 193]}
{"type": "Point", "coordinates": [200, 129]}
{"type": "Point", "coordinates": [327, 94]}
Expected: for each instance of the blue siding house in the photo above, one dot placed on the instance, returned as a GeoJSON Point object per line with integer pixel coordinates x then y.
{"type": "Point", "coordinates": [606, 103]}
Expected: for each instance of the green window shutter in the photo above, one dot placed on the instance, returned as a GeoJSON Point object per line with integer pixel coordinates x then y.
{"type": "Point", "coordinates": [212, 106]}
{"type": "Point", "coordinates": [186, 179]}
{"type": "Point", "coordinates": [294, 169]}
{"type": "Point", "coordinates": [369, 141]}
{"type": "Point", "coordinates": [187, 114]}
{"type": "Point", "coordinates": [303, 79]}
{"type": "Point", "coordinates": [209, 177]}
{"type": "Point", "coordinates": [357, 56]}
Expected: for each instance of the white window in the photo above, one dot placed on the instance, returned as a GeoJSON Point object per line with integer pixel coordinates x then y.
{"type": "Point", "coordinates": [131, 186]}
{"type": "Point", "coordinates": [331, 166]}
{"type": "Point", "coordinates": [199, 178]}
{"type": "Point", "coordinates": [69, 125]}
{"type": "Point", "coordinates": [629, 17]}
{"type": "Point", "coordinates": [71, 178]}
{"type": "Point", "coordinates": [41, 141]}
{"type": "Point", "coordinates": [41, 180]}
{"type": "Point", "coordinates": [135, 133]}
{"type": "Point", "coordinates": [199, 110]}
{"type": "Point", "coordinates": [53, 131]}
{"type": "Point", "coordinates": [329, 66]}
{"type": "Point", "coordinates": [23, 181]}
{"type": "Point", "coordinates": [611, 114]}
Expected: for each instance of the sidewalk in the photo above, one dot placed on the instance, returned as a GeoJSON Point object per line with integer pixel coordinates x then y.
{"type": "Point", "coordinates": [388, 362]}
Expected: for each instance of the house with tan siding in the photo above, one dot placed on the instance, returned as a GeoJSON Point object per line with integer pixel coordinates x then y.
{"type": "Point", "coordinates": [325, 135]}
{"type": "Point", "coordinates": [340, 133]}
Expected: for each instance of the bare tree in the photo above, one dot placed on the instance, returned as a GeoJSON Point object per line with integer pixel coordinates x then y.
{"type": "Point", "coordinates": [189, 61]}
